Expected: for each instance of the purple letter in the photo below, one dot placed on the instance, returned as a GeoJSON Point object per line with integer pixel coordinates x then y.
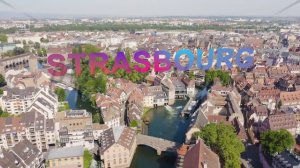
{"type": "Point", "coordinates": [221, 58]}
{"type": "Point", "coordinates": [165, 61]}
{"type": "Point", "coordinates": [177, 59]}
{"type": "Point", "coordinates": [121, 58]}
{"type": "Point", "coordinates": [249, 59]}
{"type": "Point", "coordinates": [210, 56]}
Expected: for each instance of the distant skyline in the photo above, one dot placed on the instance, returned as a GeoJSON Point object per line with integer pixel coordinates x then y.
{"type": "Point", "coordinates": [142, 8]}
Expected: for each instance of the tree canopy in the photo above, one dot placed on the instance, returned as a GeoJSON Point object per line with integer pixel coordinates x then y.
{"type": "Point", "coordinates": [224, 76]}
{"type": "Point", "coordinates": [4, 114]}
{"type": "Point", "coordinates": [2, 81]}
{"type": "Point", "coordinates": [3, 38]}
{"type": "Point", "coordinates": [276, 141]}
{"type": "Point", "coordinates": [222, 139]}
{"type": "Point", "coordinates": [61, 94]}
{"type": "Point", "coordinates": [89, 84]}
{"type": "Point", "coordinates": [87, 157]}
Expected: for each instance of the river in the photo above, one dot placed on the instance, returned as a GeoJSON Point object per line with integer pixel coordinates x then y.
{"type": "Point", "coordinates": [165, 123]}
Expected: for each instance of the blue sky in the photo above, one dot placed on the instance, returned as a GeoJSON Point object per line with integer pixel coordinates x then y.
{"type": "Point", "coordinates": [155, 7]}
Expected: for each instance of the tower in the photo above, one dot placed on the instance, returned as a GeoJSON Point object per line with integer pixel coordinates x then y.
{"type": "Point", "coordinates": [33, 63]}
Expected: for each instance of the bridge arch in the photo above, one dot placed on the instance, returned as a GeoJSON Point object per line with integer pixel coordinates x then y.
{"type": "Point", "coordinates": [158, 144]}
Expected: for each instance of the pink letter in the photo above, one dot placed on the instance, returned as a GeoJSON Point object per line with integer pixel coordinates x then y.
{"type": "Point", "coordinates": [61, 66]}
{"type": "Point", "coordinates": [145, 61]}
{"type": "Point", "coordinates": [121, 58]}
{"type": "Point", "coordinates": [77, 58]}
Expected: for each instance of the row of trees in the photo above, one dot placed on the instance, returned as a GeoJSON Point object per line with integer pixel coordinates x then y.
{"type": "Point", "coordinates": [222, 139]}
{"type": "Point", "coordinates": [127, 27]}
{"type": "Point", "coordinates": [14, 52]}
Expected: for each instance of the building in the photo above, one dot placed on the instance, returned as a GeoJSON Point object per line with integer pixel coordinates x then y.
{"type": "Point", "coordinates": [18, 62]}
{"type": "Point", "coordinates": [32, 126]}
{"type": "Point", "coordinates": [190, 86]}
{"type": "Point", "coordinates": [75, 128]}
{"type": "Point", "coordinates": [45, 102]}
{"type": "Point", "coordinates": [169, 88]}
{"type": "Point", "coordinates": [110, 109]}
{"type": "Point", "coordinates": [154, 96]}
{"type": "Point", "coordinates": [27, 79]}
{"type": "Point", "coordinates": [200, 156]}
{"type": "Point", "coordinates": [30, 155]}
{"type": "Point", "coordinates": [16, 101]}
{"type": "Point", "coordinates": [180, 89]}
{"type": "Point", "coordinates": [279, 121]}
{"type": "Point", "coordinates": [69, 157]}
{"type": "Point", "coordinates": [290, 98]}
{"type": "Point", "coordinates": [286, 159]}
{"type": "Point", "coordinates": [22, 155]}
{"type": "Point", "coordinates": [117, 146]}
{"type": "Point", "coordinates": [98, 129]}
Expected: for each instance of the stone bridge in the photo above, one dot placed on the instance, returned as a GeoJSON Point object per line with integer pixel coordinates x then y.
{"type": "Point", "coordinates": [158, 144]}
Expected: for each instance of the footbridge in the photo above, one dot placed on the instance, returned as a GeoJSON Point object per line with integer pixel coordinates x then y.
{"type": "Point", "coordinates": [158, 144]}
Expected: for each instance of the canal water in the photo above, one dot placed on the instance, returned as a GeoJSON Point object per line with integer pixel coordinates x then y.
{"type": "Point", "coordinates": [165, 122]}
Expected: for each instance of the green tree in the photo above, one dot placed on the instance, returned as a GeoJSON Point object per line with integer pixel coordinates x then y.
{"type": "Point", "coordinates": [18, 51]}
{"type": "Point", "coordinates": [191, 75]}
{"type": "Point", "coordinates": [224, 76]}
{"type": "Point", "coordinates": [4, 114]}
{"type": "Point", "coordinates": [44, 51]}
{"type": "Point", "coordinates": [279, 104]}
{"type": "Point", "coordinates": [3, 38]}
{"type": "Point", "coordinates": [61, 94]}
{"type": "Point", "coordinates": [2, 81]}
{"type": "Point", "coordinates": [276, 141]}
{"type": "Point", "coordinates": [134, 123]}
{"type": "Point", "coordinates": [88, 84]}
{"type": "Point", "coordinates": [222, 139]}
{"type": "Point", "coordinates": [37, 45]}
{"type": "Point", "coordinates": [87, 157]}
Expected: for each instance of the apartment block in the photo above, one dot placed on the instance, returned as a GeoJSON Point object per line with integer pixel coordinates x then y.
{"type": "Point", "coordinates": [75, 128]}
{"type": "Point", "coordinates": [117, 146]}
